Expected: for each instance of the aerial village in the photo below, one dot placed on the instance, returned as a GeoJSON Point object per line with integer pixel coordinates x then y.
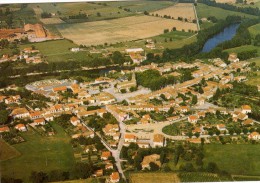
{"type": "Point", "coordinates": [116, 113]}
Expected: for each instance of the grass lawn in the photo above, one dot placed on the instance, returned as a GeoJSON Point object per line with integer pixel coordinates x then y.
{"type": "Point", "coordinates": [254, 30]}
{"type": "Point", "coordinates": [244, 48]}
{"type": "Point", "coordinates": [7, 151]}
{"type": "Point", "coordinates": [256, 60]}
{"type": "Point", "coordinates": [40, 153]}
{"type": "Point", "coordinates": [153, 177]}
{"type": "Point", "coordinates": [239, 159]}
{"type": "Point", "coordinates": [205, 11]}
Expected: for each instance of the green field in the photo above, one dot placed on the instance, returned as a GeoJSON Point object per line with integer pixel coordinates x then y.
{"type": "Point", "coordinates": [239, 159]}
{"type": "Point", "coordinates": [254, 30]}
{"type": "Point", "coordinates": [254, 80]}
{"type": "Point", "coordinates": [89, 180]}
{"type": "Point", "coordinates": [57, 51]}
{"type": "Point", "coordinates": [40, 153]}
{"type": "Point", "coordinates": [7, 151]}
{"type": "Point", "coordinates": [205, 11]}
{"type": "Point", "coordinates": [244, 48]}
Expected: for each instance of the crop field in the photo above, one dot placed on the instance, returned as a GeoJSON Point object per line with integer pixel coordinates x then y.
{"type": "Point", "coordinates": [51, 21]}
{"type": "Point", "coordinates": [205, 11]}
{"type": "Point", "coordinates": [198, 177]}
{"type": "Point", "coordinates": [89, 180]}
{"type": "Point", "coordinates": [40, 153]}
{"type": "Point", "coordinates": [184, 10]}
{"type": "Point", "coordinates": [120, 30]}
{"type": "Point", "coordinates": [226, 1]}
{"type": "Point", "coordinates": [238, 159]}
{"type": "Point", "coordinates": [153, 177]}
{"type": "Point", "coordinates": [7, 151]}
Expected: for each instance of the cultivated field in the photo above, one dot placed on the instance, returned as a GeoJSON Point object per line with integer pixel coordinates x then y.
{"type": "Point", "coordinates": [40, 153]}
{"type": "Point", "coordinates": [207, 11]}
{"type": "Point", "coordinates": [153, 177]}
{"type": "Point", "coordinates": [120, 30]}
{"type": "Point", "coordinates": [184, 10]}
{"type": "Point", "coordinates": [7, 151]}
{"type": "Point", "coordinates": [51, 21]}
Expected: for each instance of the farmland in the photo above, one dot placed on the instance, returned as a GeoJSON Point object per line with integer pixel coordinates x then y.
{"type": "Point", "coordinates": [206, 11]}
{"type": "Point", "coordinates": [107, 10]}
{"type": "Point", "coordinates": [254, 30]}
{"type": "Point", "coordinates": [57, 51]}
{"type": "Point", "coordinates": [235, 158]}
{"type": "Point", "coordinates": [244, 48]}
{"type": "Point", "coordinates": [151, 177]}
{"type": "Point", "coordinates": [7, 151]}
{"type": "Point", "coordinates": [120, 30]}
{"type": "Point", "coordinates": [198, 177]}
{"type": "Point", "coordinates": [184, 10]}
{"type": "Point", "coordinates": [40, 153]}
{"type": "Point", "coordinates": [51, 21]}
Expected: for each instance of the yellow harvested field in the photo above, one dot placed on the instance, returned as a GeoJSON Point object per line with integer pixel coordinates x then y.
{"type": "Point", "coordinates": [154, 177]}
{"type": "Point", "coordinates": [51, 21]}
{"type": "Point", "coordinates": [184, 10]}
{"type": "Point", "coordinates": [120, 30]}
{"type": "Point", "coordinates": [226, 1]}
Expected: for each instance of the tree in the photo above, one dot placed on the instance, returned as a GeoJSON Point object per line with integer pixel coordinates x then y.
{"type": "Point", "coordinates": [197, 134]}
{"type": "Point", "coordinates": [98, 14]}
{"type": "Point", "coordinates": [146, 13]}
{"type": "Point", "coordinates": [82, 170]}
{"type": "Point", "coordinates": [38, 177]}
{"type": "Point", "coordinates": [3, 116]}
{"type": "Point", "coordinates": [153, 166]}
{"type": "Point", "coordinates": [212, 167]}
{"type": "Point", "coordinates": [194, 100]}
{"type": "Point", "coordinates": [118, 58]}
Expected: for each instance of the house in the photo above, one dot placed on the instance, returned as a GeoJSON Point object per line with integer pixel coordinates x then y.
{"type": "Point", "coordinates": [21, 127]}
{"type": "Point", "coordinates": [12, 99]}
{"type": "Point", "coordinates": [254, 136]}
{"type": "Point", "coordinates": [221, 127]}
{"type": "Point", "coordinates": [248, 122]}
{"type": "Point", "coordinates": [20, 113]}
{"type": "Point", "coordinates": [74, 120]}
{"type": "Point", "coordinates": [246, 109]}
{"type": "Point", "coordinates": [233, 57]}
{"type": "Point", "coordinates": [242, 116]}
{"type": "Point", "coordinates": [36, 115]}
{"type": "Point", "coordinates": [110, 129]}
{"type": "Point", "coordinates": [130, 138]}
{"type": "Point", "coordinates": [184, 109]}
{"type": "Point", "coordinates": [114, 177]}
{"type": "Point", "coordinates": [40, 121]}
{"type": "Point", "coordinates": [193, 119]}
{"type": "Point", "coordinates": [98, 173]}
{"type": "Point", "coordinates": [155, 158]}
{"type": "Point", "coordinates": [105, 155]}
{"type": "Point", "coordinates": [143, 144]}
{"type": "Point", "coordinates": [4, 129]}
{"type": "Point", "coordinates": [158, 140]}
{"type": "Point", "coordinates": [109, 166]}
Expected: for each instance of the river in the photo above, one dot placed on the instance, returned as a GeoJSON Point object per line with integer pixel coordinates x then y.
{"type": "Point", "coordinates": [227, 34]}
